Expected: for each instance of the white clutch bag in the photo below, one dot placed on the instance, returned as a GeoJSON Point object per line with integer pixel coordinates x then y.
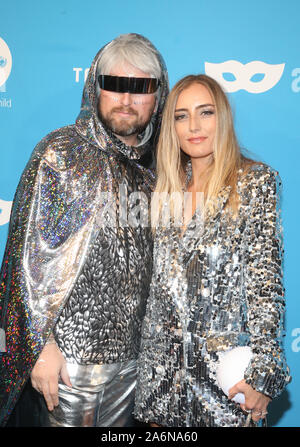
{"type": "Point", "coordinates": [231, 368]}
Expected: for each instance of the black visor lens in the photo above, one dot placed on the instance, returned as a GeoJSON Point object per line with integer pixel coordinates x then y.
{"type": "Point", "coordinates": [121, 84]}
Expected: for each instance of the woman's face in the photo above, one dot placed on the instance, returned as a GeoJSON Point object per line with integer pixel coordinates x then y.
{"type": "Point", "coordinates": [195, 121]}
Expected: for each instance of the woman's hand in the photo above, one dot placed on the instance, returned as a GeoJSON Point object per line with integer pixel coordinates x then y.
{"type": "Point", "coordinates": [254, 401]}
{"type": "Point", "coordinates": [44, 376]}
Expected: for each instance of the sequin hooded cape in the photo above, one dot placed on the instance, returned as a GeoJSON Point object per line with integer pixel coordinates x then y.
{"type": "Point", "coordinates": [55, 218]}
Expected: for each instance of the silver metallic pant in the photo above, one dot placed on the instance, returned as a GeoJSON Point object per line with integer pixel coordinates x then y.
{"type": "Point", "coordinates": [101, 396]}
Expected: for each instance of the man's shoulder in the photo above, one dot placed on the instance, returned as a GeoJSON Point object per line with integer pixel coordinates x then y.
{"type": "Point", "coordinates": [60, 139]}
{"type": "Point", "coordinates": [56, 148]}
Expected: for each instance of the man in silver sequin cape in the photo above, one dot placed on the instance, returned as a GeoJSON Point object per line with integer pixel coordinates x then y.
{"type": "Point", "coordinates": [70, 281]}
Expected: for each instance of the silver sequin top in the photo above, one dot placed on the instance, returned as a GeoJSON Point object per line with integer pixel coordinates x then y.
{"type": "Point", "coordinates": [213, 290]}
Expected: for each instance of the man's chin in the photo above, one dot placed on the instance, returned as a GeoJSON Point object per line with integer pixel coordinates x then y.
{"type": "Point", "coordinates": [123, 131]}
{"type": "Point", "coordinates": [123, 128]}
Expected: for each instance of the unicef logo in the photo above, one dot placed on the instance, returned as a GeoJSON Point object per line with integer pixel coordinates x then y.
{"type": "Point", "coordinates": [244, 75]}
{"type": "Point", "coordinates": [5, 62]}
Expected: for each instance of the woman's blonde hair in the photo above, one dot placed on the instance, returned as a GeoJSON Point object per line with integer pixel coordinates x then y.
{"type": "Point", "coordinates": [171, 161]}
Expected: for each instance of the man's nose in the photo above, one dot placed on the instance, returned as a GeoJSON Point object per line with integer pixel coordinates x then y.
{"type": "Point", "coordinates": [126, 99]}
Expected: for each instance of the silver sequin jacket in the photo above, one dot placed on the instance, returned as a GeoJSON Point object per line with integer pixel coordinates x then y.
{"type": "Point", "coordinates": [217, 287]}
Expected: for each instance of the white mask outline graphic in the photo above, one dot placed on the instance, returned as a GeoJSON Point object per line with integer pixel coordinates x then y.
{"type": "Point", "coordinates": [243, 74]}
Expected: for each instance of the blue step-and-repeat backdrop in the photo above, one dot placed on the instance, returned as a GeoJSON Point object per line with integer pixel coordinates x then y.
{"type": "Point", "coordinates": [252, 47]}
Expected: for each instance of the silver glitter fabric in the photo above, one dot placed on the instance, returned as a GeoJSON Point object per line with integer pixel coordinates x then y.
{"type": "Point", "coordinates": [101, 396]}
{"type": "Point", "coordinates": [216, 287]}
{"type": "Point", "coordinates": [61, 213]}
{"type": "Point", "coordinates": [101, 321]}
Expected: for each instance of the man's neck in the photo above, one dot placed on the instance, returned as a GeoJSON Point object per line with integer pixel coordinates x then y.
{"type": "Point", "coordinates": [130, 140]}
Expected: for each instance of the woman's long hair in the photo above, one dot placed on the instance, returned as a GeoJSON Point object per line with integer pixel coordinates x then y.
{"type": "Point", "coordinates": [171, 161]}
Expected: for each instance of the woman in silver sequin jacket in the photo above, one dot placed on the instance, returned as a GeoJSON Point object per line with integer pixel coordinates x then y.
{"type": "Point", "coordinates": [217, 279]}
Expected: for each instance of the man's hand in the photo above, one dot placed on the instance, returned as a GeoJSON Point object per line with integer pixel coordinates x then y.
{"type": "Point", "coordinates": [44, 376]}
{"type": "Point", "coordinates": [254, 401]}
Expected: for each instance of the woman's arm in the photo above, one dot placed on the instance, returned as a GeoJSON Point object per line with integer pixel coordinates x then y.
{"type": "Point", "coordinates": [267, 372]}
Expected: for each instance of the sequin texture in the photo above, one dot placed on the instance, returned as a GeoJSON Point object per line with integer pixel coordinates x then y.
{"type": "Point", "coordinates": [210, 292]}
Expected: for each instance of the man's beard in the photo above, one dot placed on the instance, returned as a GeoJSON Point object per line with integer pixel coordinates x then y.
{"type": "Point", "coordinates": [123, 127]}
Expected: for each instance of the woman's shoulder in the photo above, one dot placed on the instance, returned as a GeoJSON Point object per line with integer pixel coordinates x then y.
{"type": "Point", "coordinates": [258, 174]}
{"type": "Point", "coordinates": [258, 183]}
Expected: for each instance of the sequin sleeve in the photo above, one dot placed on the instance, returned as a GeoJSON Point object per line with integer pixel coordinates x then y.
{"type": "Point", "coordinates": [267, 372]}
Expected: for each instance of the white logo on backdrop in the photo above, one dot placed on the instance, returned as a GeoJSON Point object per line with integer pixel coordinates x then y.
{"type": "Point", "coordinates": [296, 81]}
{"type": "Point", "coordinates": [5, 208]}
{"type": "Point", "coordinates": [296, 342]}
{"type": "Point", "coordinates": [5, 64]}
{"type": "Point", "coordinates": [81, 74]}
{"type": "Point", "coordinates": [244, 73]}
